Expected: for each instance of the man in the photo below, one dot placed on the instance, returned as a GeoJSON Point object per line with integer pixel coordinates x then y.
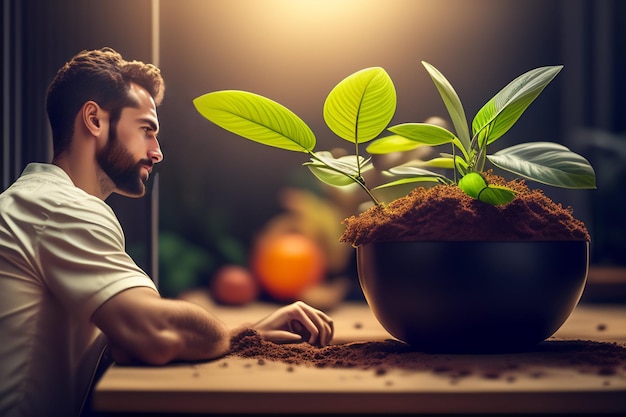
{"type": "Point", "coordinates": [65, 278]}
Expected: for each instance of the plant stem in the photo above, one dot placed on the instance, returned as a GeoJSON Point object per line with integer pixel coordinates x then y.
{"type": "Point", "coordinates": [454, 168]}
{"type": "Point", "coordinates": [356, 155]}
{"type": "Point", "coordinates": [357, 179]}
{"type": "Point", "coordinates": [367, 190]}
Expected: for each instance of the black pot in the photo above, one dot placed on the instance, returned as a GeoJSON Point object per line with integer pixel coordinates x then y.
{"type": "Point", "coordinates": [472, 297]}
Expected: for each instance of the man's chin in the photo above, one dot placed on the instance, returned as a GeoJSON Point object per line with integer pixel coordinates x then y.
{"type": "Point", "coordinates": [137, 193]}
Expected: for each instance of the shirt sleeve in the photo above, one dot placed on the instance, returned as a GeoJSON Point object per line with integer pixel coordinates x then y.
{"type": "Point", "coordinates": [83, 259]}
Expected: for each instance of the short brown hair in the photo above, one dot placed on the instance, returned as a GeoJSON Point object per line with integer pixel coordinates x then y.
{"type": "Point", "coordinates": [101, 75]}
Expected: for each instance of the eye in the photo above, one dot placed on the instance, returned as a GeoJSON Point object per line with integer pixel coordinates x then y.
{"type": "Point", "coordinates": [148, 131]}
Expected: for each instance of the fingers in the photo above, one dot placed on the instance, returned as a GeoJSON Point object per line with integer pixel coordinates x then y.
{"type": "Point", "coordinates": [281, 336]}
{"type": "Point", "coordinates": [316, 323]}
{"type": "Point", "coordinates": [302, 321]}
{"type": "Point", "coordinates": [311, 322]}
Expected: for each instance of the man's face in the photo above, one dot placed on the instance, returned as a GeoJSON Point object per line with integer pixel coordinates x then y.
{"type": "Point", "coordinates": [132, 147]}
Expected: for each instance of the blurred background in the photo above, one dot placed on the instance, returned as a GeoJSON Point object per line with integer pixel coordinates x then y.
{"type": "Point", "coordinates": [216, 193]}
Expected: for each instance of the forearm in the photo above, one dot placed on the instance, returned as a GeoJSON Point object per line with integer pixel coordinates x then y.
{"type": "Point", "coordinates": [201, 335]}
{"type": "Point", "coordinates": [142, 327]}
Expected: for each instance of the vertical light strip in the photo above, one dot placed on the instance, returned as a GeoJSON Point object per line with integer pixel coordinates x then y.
{"type": "Point", "coordinates": [156, 28]}
{"type": "Point", "coordinates": [154, 196]}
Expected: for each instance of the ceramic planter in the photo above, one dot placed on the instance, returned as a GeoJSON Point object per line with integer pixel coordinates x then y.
{"type": "Point", "coordinates": [472, 297]}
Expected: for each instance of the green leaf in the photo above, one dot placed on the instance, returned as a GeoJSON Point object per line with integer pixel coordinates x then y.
{"type": "Point", "coordinates": [413, 174]}
{"type": "Point", "coordinates": [424, 133]}
{"type": "Point", "coordinates": [328, 176]}
{"type": "Point", "coordinates": [413, 171]}
{"type": "Point", "coordinates": [453, 104]}
{"type": "Point", "coordinates": [459, 163]}
{"type": "Point", "coordinates": [411, 180]}
{"type": "Point", "coordinates": [501, 112]}
{"type": "Point", "coordinates": [338, 172]}
{"type": "Point", "coordinates": [392, 143]}
{"type": "Point", "coordinates": [256, 118]}
{"type": "Point", "coordinates": [496, 195]}
{"type": "Point", "coordinates": [443, 162]}
{"type": "Point", "coordinates": [360, 107]}
{"type": "Point", "coordinates": [474, 185]}
{"type": "Point", "coordinates": [547, 163]}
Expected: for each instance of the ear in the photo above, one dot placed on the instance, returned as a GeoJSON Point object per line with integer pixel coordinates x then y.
{"type": "Point", "coordinates": [91, 114]}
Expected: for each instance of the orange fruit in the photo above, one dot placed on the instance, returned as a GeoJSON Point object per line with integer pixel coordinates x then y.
{"type": "Point", "coordinates": [286, 264]}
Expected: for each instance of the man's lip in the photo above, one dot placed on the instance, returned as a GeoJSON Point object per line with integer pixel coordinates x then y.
{"type": "Point", "coordinates": [148, 170]}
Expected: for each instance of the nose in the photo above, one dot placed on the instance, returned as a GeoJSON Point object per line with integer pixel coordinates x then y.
{"type": "Point", "coordinates": [155, 155]}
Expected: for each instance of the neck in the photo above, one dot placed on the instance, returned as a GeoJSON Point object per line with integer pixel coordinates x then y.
{"type": "Point", "coordinates": [85, 174]}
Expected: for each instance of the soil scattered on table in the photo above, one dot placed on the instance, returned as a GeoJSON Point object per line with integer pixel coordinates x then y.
{"type": "Point", "coordinates": [591, 357]}
{"type": "Point", "coordinates": [446, 213]}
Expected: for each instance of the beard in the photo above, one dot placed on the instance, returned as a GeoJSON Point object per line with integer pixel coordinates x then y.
{"type": "Point", "coordinates": [120, 166]}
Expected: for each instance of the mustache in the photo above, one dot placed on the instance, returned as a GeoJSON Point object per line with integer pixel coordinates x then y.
{"type": "Point", "coordinates": [146, 162]}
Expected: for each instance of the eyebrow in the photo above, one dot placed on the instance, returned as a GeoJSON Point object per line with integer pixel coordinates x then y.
{"type": "Point", "coordinates": [150, 122]}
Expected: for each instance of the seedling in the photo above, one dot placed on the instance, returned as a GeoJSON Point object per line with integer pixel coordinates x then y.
{"type": "Point", "coordinates": [360, 108]}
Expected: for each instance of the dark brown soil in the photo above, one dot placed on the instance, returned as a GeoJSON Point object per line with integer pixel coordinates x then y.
{"type": "Point", "coordinates": [446, 213]}
{"type": "Point", "coordinates": [600, 358]}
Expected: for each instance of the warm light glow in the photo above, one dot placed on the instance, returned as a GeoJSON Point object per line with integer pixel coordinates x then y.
{"type": "Point", "coordinates": [316, 9]}
{"type": "Point", "coordinates": [309, 31]}
{"type": "Point", "coordinates": [295, 51]}
{"type": "Point", "coordinates": [292, 49]}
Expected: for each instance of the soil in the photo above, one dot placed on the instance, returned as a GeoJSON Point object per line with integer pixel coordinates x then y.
{"type": "Point", "coordinates": [446, 213]}
{"type": "Point", "coordinates": [600, 358]}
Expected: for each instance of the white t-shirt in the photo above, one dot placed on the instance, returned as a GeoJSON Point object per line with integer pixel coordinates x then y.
{"type": "Point", "coordinates": [62, 255]}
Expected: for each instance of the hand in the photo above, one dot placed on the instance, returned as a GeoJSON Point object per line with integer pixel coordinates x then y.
{"type": "Point", "coordinates": [297, 322]}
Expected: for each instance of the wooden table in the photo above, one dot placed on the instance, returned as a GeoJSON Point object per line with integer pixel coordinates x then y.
{"type": "Point", "coordinates": [240, 385]}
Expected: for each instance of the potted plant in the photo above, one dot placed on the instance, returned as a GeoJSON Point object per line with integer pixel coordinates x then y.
{"type": "Point", "coordinates": [465, 262]}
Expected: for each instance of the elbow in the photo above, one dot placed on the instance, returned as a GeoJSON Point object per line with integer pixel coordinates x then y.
{"type": "Point", "coordinates": [171, 346]}
{"type": "Point", "coordinates": [160, 353]}
{"type": "Point", "coordinates": [221, 346]}
{"type": "Point", "coordinates": [162, 349]}
{"type": "Point", "coordinates": [216, 347]}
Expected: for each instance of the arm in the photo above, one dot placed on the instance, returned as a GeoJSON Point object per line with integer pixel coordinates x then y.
{"type": "Point", "coordinates": [142, 326]}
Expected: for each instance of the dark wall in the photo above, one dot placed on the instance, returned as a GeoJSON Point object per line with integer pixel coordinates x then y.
{"type": "Point", "coordinates": [217, 190]}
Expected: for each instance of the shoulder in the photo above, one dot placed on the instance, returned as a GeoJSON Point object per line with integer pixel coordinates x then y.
{"type": "Point", "coordinates": [47, 196]}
